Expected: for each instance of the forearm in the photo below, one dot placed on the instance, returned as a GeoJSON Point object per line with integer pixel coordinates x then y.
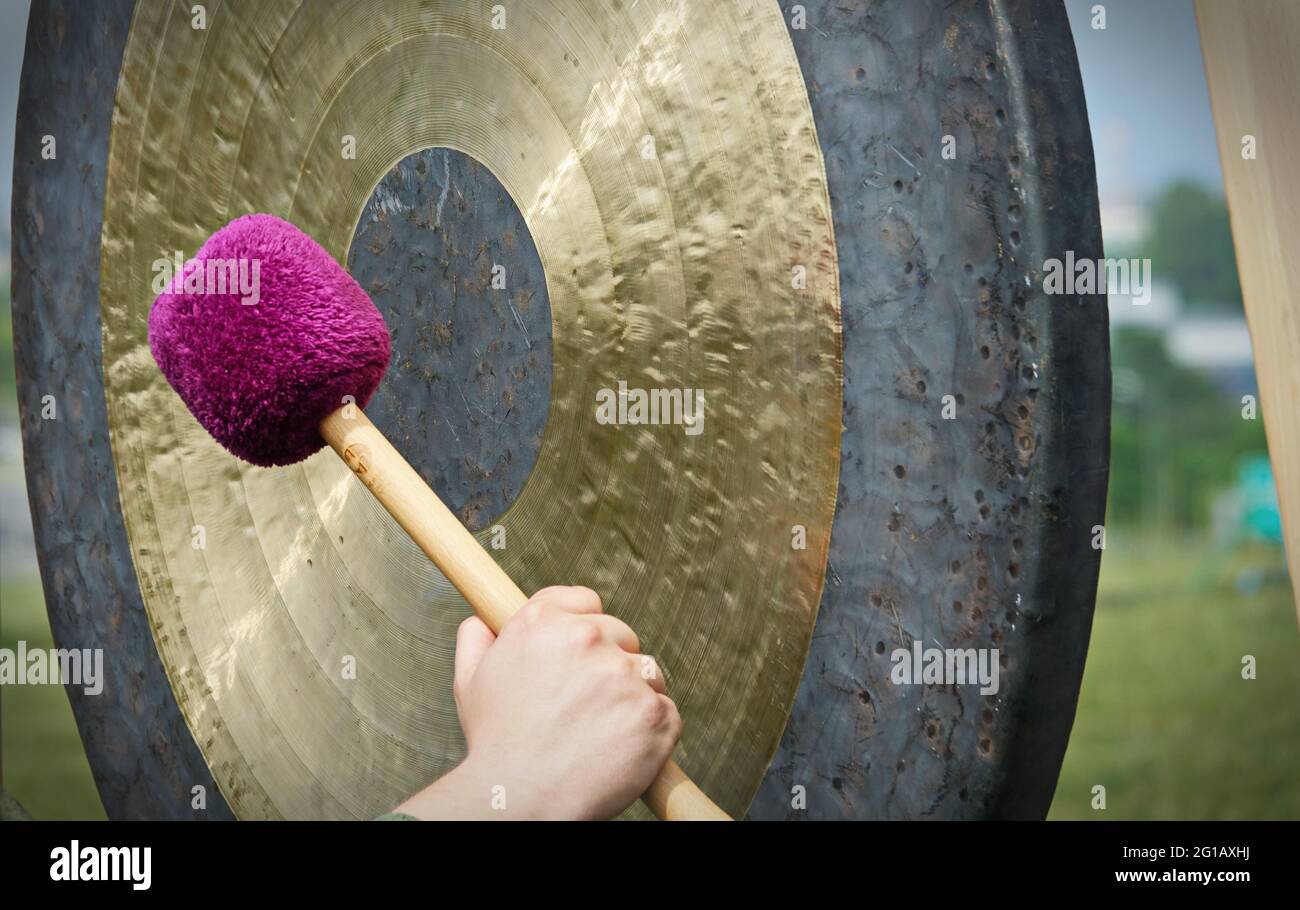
{"type": "Point", "coordinates": [469, 793]}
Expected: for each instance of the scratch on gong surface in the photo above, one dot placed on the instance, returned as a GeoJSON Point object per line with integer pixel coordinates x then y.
{"type": "Point", "coordinates": [446, 186]}
{"type": "Point", "coordinates": [904, 157]}
{"type": "Point", "coordinates": [527, 340]}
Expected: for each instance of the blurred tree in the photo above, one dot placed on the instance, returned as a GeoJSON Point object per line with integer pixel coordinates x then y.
{"type": "Point", "coordinates": [1189, 243]}
{"type": "Point", "coordinates": [1175, 438]}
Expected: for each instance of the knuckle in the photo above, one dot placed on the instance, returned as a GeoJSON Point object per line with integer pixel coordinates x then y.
{"type": "Point", "coordinates": [613, 673]}
{"type": "Point", "coordinates": [550, 592]}
{"type": "Point", "coordinates": [666, 720]}
{"type": "Point", "coordinates": [654, 710]}
{"type": "Point", "coordinates": [674, 717]}
{"type": "Point", "coordinates": [585, 635]}
{"type": "Point", "coordinates": [590, 599]}
{"type": "Point", "coordinates": [634, 642]}
{"type": "Point", "coordinates": [581, 599]}
{"type": "Point", "coordinates": [534, 611]}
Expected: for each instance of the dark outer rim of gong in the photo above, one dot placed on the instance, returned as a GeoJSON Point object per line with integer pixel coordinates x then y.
{"type": "Point", "coordinates": [140, 749]}
{"type": "Point", "coordinates": [928, 508]}
{"type": "Point", "coordinates": [141, 753]}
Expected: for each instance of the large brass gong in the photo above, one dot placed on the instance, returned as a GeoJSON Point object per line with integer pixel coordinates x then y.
{"type": "Point", "coordinates": [665, 161]}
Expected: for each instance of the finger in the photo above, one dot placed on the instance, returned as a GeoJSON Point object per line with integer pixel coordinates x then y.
{"type": "Point", "coordinates": [674, 720]}
{"type": "Point", "coordinates": [647, 668]}
{"type": "Point", "coordinates": [473, 638]}
{"type": "Point", "coordinates": [619, 632]}
{"type": "Point", "coordinates": [570, 599]}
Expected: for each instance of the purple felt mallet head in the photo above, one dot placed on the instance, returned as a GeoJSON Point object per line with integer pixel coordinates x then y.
{"type": "Point", "coordinates": [262, 335]}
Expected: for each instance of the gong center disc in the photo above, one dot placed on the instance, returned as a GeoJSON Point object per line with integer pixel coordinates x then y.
{"type": "Point", "coordinates": [447, 257]}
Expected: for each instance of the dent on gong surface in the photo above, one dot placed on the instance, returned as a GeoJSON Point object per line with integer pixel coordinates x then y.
{"type": "Point", "coordinates": [669, 269]}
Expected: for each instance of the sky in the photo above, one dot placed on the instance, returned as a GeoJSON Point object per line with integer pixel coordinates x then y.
{"type": "Point", "coordinates": [13, 34]}
{"type": "Point", "coordinates": [1143, 78]}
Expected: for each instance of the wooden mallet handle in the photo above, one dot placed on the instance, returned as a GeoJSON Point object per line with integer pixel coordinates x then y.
{"type": "Point", "coordinates": [489, 590]}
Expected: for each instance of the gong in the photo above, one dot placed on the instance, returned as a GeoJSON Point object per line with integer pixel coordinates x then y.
{"type": "Point", "coordinates": [631, 208]}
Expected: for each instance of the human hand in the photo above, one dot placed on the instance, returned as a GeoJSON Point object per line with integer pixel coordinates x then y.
{"type": "Point", "coordinates": [560, 710]}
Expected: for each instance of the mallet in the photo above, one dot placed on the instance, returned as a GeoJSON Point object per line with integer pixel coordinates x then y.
{"type": "Point", "coordinates": [277, 367]}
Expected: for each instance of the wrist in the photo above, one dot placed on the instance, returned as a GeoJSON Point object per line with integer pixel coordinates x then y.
{"type": "Point", "coordinates": [503, 792]}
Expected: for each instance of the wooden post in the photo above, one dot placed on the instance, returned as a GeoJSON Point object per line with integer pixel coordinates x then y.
{"type": "Point", "coordinates": [1252, 63]}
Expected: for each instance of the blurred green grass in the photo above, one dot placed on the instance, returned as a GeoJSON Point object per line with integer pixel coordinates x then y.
{"type": "Point", "coordinates": [45, 767]}
{"type": "Point", "coordinates": [1165, 722]}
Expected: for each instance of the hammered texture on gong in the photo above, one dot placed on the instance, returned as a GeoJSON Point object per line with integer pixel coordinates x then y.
{"type": "Point", "coordinates": [665, 160]}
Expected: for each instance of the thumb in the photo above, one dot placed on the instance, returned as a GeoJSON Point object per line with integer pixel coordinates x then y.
{"type": "Point", "coordinates": [473, 638]}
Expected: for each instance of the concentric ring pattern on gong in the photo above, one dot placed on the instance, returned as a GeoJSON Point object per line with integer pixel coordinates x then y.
{"type": "Point", "coordinates": [665, 160]}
